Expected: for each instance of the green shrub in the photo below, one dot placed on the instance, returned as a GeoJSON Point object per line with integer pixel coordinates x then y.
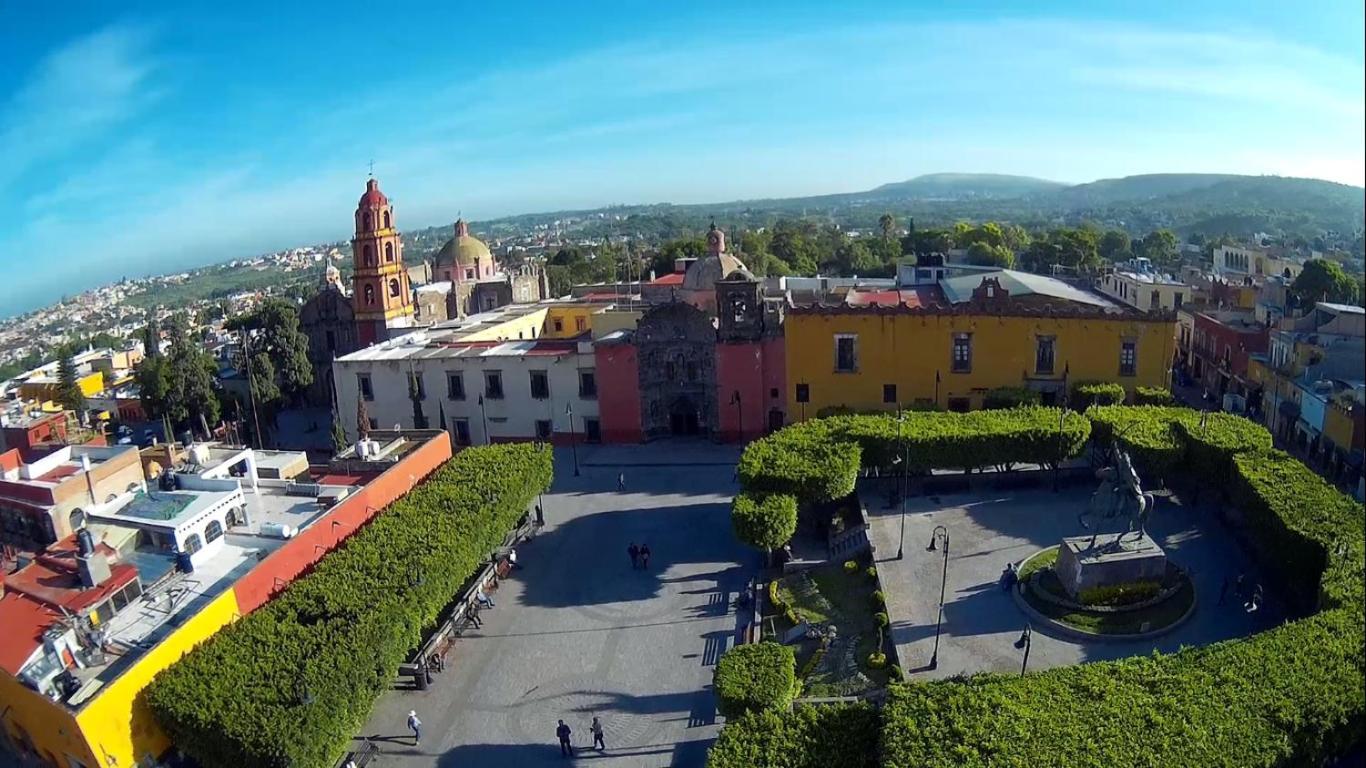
{"type": "Point", "coordinates": [1127, 593]}
{"type": "Point", "coordinates": [1085, 394]}
{"type": "Point", "coordinates": [775, 597]}
{"type": "Point", "coordinates": [943, 440]}
{"type": "Point", "coordinates": [807, 737]}
{"type": "Point", "coordinates": [1010, 397]}
{"type": "Point", "coordinates": [1210, 448]}
{"type": "Point", "coordinates": [289, 685]}
{"type": "Point", "coordinates": [895, 673]}
{"type": "Point", "coordinates": [801, 461]}
{"type": "Point", "coordinates": [755, 677]}
{"type": "Point", "coordinates": [1147, 432]}
{"type": "Point", "coordinates": [765, 522]}
{"type": "Point", "coordinates": [878, 599]}
{"type": "Point", "coordinates": [851, 566]}
{"type": "Point", "coordinates": [1153, 396]}
{"type": "Point", "coordinates": [880, 618]}
{"type": "Point", "coordinates": [877, 660]}
{"type": "Point", "coordinates": [871, 571]}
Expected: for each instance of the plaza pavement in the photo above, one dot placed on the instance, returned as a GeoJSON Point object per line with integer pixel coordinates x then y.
{"type": "Point", "coordinates": [577, 633]}
{"type": "Point", "coordinates": [989, 529]}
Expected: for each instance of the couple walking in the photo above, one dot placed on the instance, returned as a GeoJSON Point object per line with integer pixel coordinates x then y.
{"type": "Point", "coordinates": [640, 556]}
{"type": "Point", "coordinates": [563, 732]}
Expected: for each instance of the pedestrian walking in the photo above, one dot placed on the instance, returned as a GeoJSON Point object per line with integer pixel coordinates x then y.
{"type": "Point", "coordinates": [473, 613]}
{"type": "Point", "coordinates": [645, 556]}
{"type": "Point", "coordinates": [1223, 590]}
{"type": "Point", "coordinates": [483, 599]}
{"type": "Point", "coordinates": [415, 726]}
{"type": "Point", "coordinates": [596, 728]}
{"type": "Point", "coordinates": [634, 552]}
{"type": "Point", "coordinates": [540, 517]}
{"type": "Point", "coordinates": [621, 481]}
{"type": "Point", "coordinates": [1008, 577]}
{"type": "Point", "coordinates": [563, 732]}
{"type": "Point", "coordinates": [512, 559]}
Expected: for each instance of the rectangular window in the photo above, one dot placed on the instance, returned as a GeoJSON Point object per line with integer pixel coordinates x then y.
{"type": "Point", "coordinates": [461, 429]}
{"type": "Point", "coordinates": [455, 385]}
{"type": "Point", "coordinates": [588, 384]}
{"type": "Point", "coordinates": [542, 429]}
{"type": "Point", "coordinates": [416, 387]}
{"type": "Point", "coordinates": [846, 353]}
{"type": "Point", "coordinates": [962, 353]}
{"type": "Point", "coordinates": [592, 431]}
{"type": "Point", "coordinates": [1043, 354]}
{"type": "Point", "coordinates": [540, 385]}
{"type": "Point", "coordinates": [1176, 300]}
{"type": "Point", "coordinates": [803, 393]}
{"type": "Point", "coordinates": [493, 385]}
{"type": "Point", "coordinates": [773, 393]}
{"type": "Point", "coordinates": [1156, 301]}
{"type": "Point", "coordinates": [580, 324]}
{"type": "Point", "coordinates": [559, 325]}
{"type": "Point", "coordinates": [367, 391]}
{"type": "Point", "coordinates": [889, 393]}
{"type": "Point", "coordinates": [1128, 358]}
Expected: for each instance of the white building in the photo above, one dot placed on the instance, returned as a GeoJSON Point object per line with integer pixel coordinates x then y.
{"type": "Point", "coordinates": [496, 376]}
{"type": "Point", "coordinates": [1145, 290]}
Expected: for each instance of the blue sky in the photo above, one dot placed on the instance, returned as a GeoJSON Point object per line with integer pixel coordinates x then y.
{"type": "Point", "coordinates": [139, 138]}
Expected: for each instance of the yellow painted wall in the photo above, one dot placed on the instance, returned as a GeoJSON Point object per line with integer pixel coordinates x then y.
{"type": "Point", "coordinates": [115, 723]}
{"type": "Point", "coordinates": [569, 316]}
{"type": "Point", "coordinates": [1337, 426]}
{"type": "Point", "coordinates": [607, 321]}
{"type": "Point", "coordinates": [907, 350]}
{"type": "Point", "coordinates": [51, 727]}
{"type": "Point", "coordinates": [91, 384]}
{"type": "Point", "coordinates": [508, 329]}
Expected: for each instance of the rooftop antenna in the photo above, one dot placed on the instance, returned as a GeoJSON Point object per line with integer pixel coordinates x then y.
{"type": "Point", "coordinates": [372, 168]}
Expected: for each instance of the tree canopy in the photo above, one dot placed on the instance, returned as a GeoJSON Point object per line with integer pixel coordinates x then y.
{"type": "Point", "coordinates": [1324, 280]}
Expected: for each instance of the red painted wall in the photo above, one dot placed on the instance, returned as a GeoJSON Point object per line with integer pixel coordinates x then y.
{"type": "Point", "coordinates": [754, 369]}
{"type": "Point", "coordinates": [288, 562]}
{"type": "Point", "coordinates": [618, 392]}
{"type": "Point", "coordinates": [1241, 343]}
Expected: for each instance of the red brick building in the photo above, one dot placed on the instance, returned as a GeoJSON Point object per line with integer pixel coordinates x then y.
{"type": "Point", "coordinates": [1221, 345]}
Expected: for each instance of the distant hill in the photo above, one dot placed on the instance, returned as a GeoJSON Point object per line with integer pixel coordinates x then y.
{"type": "Point", "coordinates": [963, 186]}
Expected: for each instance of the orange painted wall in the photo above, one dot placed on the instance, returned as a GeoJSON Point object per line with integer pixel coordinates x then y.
{"type": "Point", "coordinates": [287, 563]}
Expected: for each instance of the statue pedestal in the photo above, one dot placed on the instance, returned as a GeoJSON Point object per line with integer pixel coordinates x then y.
{"type": "Point", "coordinates": [1085, 562]}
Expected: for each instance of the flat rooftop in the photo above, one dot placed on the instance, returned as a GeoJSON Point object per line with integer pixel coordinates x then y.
{"type": "Point", "coordinates": [166, 509]}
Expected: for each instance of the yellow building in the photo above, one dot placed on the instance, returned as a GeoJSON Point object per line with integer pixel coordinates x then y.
{"type": "Point", "coordinates": [951, 344]}
{"type": "Point", "coordinates": [45, 386]}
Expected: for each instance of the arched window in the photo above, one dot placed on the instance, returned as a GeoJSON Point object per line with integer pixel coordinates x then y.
{"type": "Point", "coordinates": [193, 544]}
{"type": "Point", "coordinates": [212, 531]}
{"type": "Point", "coordinates": [369, 294]}
{"type": "Point", "coordinates": [367, 222]}
{"type": "Point", "coordinates": [369, 255]}
{"type": "Point", "coordinates": [388, 251]}
{"type": "Point", "coordinates": [393, 286]}
{"type": "Point", "coordinates": [386, 220]}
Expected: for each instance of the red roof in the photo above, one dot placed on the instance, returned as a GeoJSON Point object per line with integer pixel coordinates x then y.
{"type": "Point", "coordinates": [25, 621]}
{"type": "Point", "coordinates": [915, 298]}
{"type": "Point", "coordinates": [673, 278]}
{"type": "Point", "coordinates": [53, 579]}
{"type": "Point", "coordinates": [10, 460]}
{"type": "Point", "coordinates": [373, 198]}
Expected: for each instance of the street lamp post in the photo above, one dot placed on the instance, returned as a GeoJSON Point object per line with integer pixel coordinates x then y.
{"type": "Point", "coordinates": [1026, 638]}
{"type": "Point", "coordinates": [940, 533]}
{"type": "Point", "coordinates": [573, 436]}
{"type": "Point", "coordinates": [905, 462]}
{"type": "Point", "coordinates": [739, 415]}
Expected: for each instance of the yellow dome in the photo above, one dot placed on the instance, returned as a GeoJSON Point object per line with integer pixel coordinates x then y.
{"type": "Point", "coordinates": [464, 248]}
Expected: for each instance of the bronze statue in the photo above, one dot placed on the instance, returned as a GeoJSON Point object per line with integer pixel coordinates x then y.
{"type": "Point", "coordinates": [1120, 492]}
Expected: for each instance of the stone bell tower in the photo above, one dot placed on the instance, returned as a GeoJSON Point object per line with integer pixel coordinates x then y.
{"type": "Point", "coordinates": [382, 298]}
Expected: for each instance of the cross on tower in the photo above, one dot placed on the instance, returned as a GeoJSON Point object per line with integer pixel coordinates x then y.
{"type": "Point", "coordinates": [372, 169]}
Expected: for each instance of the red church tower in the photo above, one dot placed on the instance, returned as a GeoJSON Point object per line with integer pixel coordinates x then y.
{"type": "Point", "coordinates": [381, 294]}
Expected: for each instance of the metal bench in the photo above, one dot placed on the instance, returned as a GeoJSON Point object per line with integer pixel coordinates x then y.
{"type": "Point", "coordinates": [359, 758]}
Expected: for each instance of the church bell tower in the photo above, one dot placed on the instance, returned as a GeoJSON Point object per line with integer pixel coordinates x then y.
{"type": "Point", "coordinates": [380, 292]}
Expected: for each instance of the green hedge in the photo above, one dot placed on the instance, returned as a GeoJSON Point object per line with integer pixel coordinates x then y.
{"type": "Point", "coordinates": [1153, 396]}
{"type": "Point", "coordinates": [1010, 397]}
{"type": "Point", "coordinates": [764, 522]}
{"type": "Point", "coordinates": [1213, 440]}
{"type": "Point", "coordinates": [807, 737]}
{"type": "Point", "coordinates": [1162, 438]}
{"type": "Point", "coordinates": [289, 685]}
{"type": "Point", "coordinates": [755, 678]}
{"type": "Point", "coordinates": [819, 460]}
{"type": "Point", "coordinates": [1088, 393]}
{"type": "Point", "coordinates": [1293, 695]}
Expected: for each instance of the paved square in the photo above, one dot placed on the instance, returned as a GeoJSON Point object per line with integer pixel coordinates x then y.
{"type": "Point", "coordinates": [577, 633]}
{"type": "Point", "coordinates": [991, 528]}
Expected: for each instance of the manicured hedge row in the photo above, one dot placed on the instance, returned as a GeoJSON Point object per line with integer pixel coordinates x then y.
{"type": "Point", "coordinates": [818, 460]}
{"type": "Point", "coordinates": [289, 685]}
{"type": "Point", "coordinates": [1212, 442]}
{"type": "Point", "coordinates": [1010, 397]}
{"type": "Point", "coordinates": [1088, 393]}
{"type": "Point", "coordinates": [842, 735]}
{"type": "Point", "coordinates": [1163, 438]}
{"type": "Point", "coordinates": [1153, 396]}
{"type": "Point", "coordinates": [764, 522]}
{"type": "Point", "coordinates": [755, 678]}
{"type": "Point", "coordinates": [1293, 695]}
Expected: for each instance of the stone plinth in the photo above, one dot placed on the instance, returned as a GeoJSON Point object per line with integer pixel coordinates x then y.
{"type": "Point", "coordinates": [1085, 562]}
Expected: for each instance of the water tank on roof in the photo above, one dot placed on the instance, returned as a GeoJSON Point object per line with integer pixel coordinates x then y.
{"type": "Point", "coordinates": [278, 530]}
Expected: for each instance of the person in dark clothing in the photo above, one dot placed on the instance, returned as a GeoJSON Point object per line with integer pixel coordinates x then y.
{"type": "Point", "coordinates": [596, 728]}
{"type": "Point", "coordinates": [621, 481]}
{"type": "Point", "coordinates": [473, 613]}
{"type": "Point", "coordinates": [645, 556]}
{"type": "Point", "coordinates": [540, 516]}
{"type": "Point", "coordinates": [634, 552]}
{"type": "Point", "coordinates": [563, 732]}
